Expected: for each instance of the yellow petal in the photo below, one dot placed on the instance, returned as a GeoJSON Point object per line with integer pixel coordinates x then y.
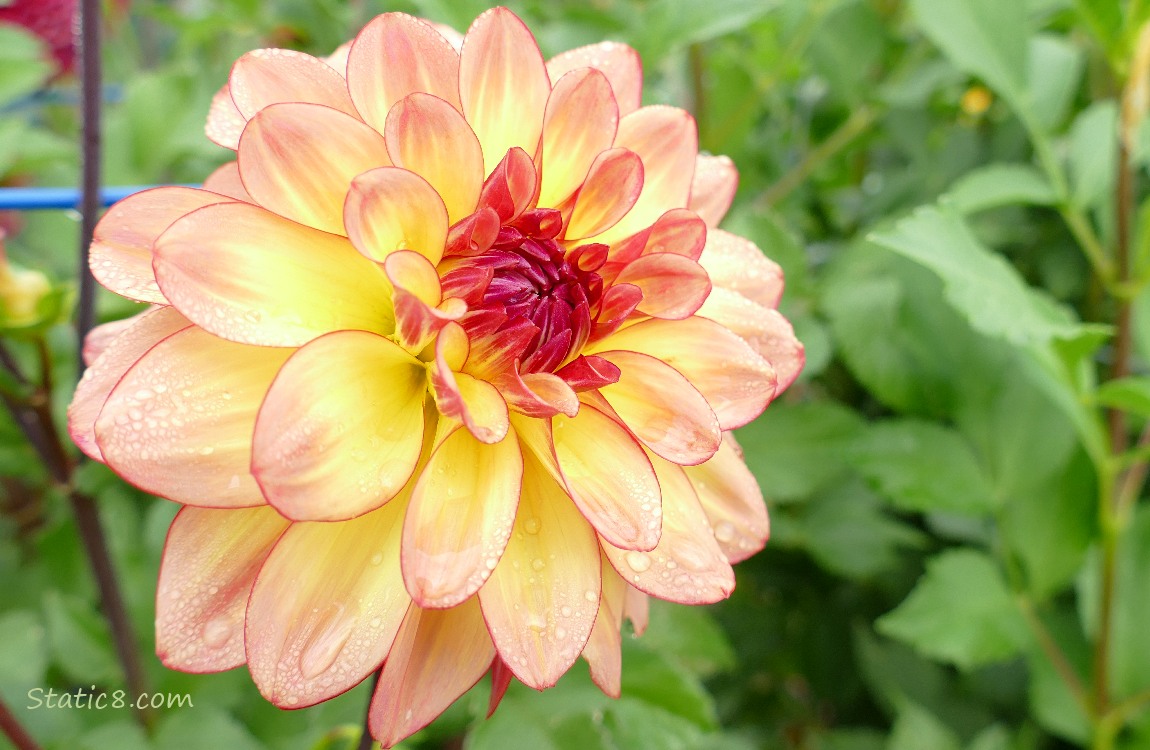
{"type": "Point", "coordinates": [604, 652]}
{"type": "Point", "coordinates": [179, 423]}
{"type": "Point", "coordinates": [291, 163]}
{"type": "Point", "coordinates": [396, 55]}
{"type": "Point", "coordinates": [326, 607]}
{"type": "Point", "coordinates": [687, 566]}
{"type": "Point", "coordinates": [620, 63]}
{"type": "Point", "coordinates": [541, 600]}
{"type": "Point", "coordinates": [428, 136]}
{"type": "Point", "coordinates": [210, 562]}
{"type": "Point", "coordinates": [390, 209]}
{"type": "Point", "coordinates": [612, 186]}
{"type": "Point", "coordinates": [503, 85]}
{"type": "Point", "coordinates": [437, 657]}
{"type": "Point", "coordinates": [341, 428]}
{"type": "Point", "coordinates": [732, 500]}
{"type": "Point", "coordinates": [264, 77]}
{"type": "Point", "coordinates": [460, 518]}
{"type": "Point", "coordinates": [245, 274]}
{"type": "Point", "coordinates": [662, 408]}
{"type": "Point", "coordinates": [102, 375]}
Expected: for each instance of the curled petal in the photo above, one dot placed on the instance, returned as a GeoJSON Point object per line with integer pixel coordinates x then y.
{"type": "Point", "coordinates": [143, 332]}
{"type": "Point", "coordinates": [503, 85]}
{"type": "Point", "coordinates": [673, 286]}
{"type": "Point", "coordinates": [326, 607]}
{"type": "Point", "coordinates": [475, 402]}
{"type": "Point", "coordinates": [737, 264]}
{"type": "Point", "coordinates": [766, 330]}
{"type": "Point", "coordinates": [586, 373]}
{"type": "Point", "coordinates": [713, 188]}
{"type": "Point", "coordinates": [665, 138]}
{"type": "Point", "coordinates": [396, 55]}
{"type": "Point", "coordinates": [613, 184]}
{"type": "Point", "coordinates": [616, 306]}
{"type": "Point", "coordinates": [390, 209]}
{"type": "Point", "coordinates": [291, 164]}
{"type": "Point", "coordinates": [511, 187]}
{"type": "Point", "coordinates": [732, 500]}
{"type": "Point", "coordinates": [460, 518]}
{"type": "Point", "coordinates": [210, 562]}
{"type": "Point", "coordinates": [264, 77]}
{"type": "Point", "coordinates": [101, 337]}
{"type": "Point", "coordinates": [548, 579]}
{"type": "Point", "coordinates": [737, 382]}
{"type": "Point", "coordinates": [620, 63]}
{"type": "Point", "coordinates": [179, 423]}
{"type": "Point", "coordinates": [225, 123]}
{"type": "Point", "coordinates": [581, 121]}
{"type": "Point", "coordinates": [437, 657]}
{"type": "Point", "coordinates": [687, 566]}
{"type": "Point", "coordinates": [341, 428]}
{"type": "Point", "coordinates": [501, 676]}
{"type": "Point", "coordinates": [604, 649]}
{"type": "Point", "coordinates": [608, 476]}
{"type": "Point", "coordinates": [420, 310]}
{"type": "Point", "coordinates": [245, 274]}
{"type": "Point", "coordinates": [538, 394]}
{"type": "Point", "coordinates": [428, 136]}
{"type": "Point", "coordinates": [474, 235]}
{"type": "Point", "coordinates": [678, 231]}
{"type": "Point", "coordinates": [121, 255]}
{"type": "Point", "coordinates": [226, 181]}
{"type": "Point", "coordinates": [662, 408]}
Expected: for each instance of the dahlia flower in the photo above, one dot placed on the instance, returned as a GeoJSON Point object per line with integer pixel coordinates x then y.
{"type": "Point", "coordinates": [442, 368]}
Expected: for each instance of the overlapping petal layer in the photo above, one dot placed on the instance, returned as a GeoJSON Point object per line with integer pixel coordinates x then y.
{"type": "Point", "coordinates": [445, 357]}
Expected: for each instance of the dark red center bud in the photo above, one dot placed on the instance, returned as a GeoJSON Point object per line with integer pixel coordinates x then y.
{"type": "Point", "coordinates": [547, 293]}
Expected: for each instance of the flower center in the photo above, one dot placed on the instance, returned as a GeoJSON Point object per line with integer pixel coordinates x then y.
{"type": "Point", "coordinates": [547, 293]}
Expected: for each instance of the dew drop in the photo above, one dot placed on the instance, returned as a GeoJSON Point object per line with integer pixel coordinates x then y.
{"type": "Point", "coordinates": [325, 646]}
{"type": "Point", "coordinates": [638, 561]}
{"type": "Point", "coordinates": [724, 531]}
{"type": "Point", "coordinates": [217, 633]}
{"type": "Point", "coordinates": [537, 564]}
{"type": "Point", "coordinates": [590, 596]}
{"type": "Point", "coordinates": [377, 558]}
{"type": "Point", "coordinates": [531, 525]}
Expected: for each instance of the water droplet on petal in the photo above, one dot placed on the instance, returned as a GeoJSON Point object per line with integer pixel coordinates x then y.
{"type": "Point", "coordinates": [217, 633]}
{"type": "Point", "coordinates": [325, 646]}
{"type": "Point", "coordinates": [724, 531]}
{"type": "Point", "coordinates": [638, 561]}
{"type": "Point", "coordinates": [538, 564]}
{"type": "Point", "coordinates": [531, 525]}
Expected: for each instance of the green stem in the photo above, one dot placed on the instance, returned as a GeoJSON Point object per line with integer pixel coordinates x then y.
{"type": "Point", "coordinates": [1057, 657]}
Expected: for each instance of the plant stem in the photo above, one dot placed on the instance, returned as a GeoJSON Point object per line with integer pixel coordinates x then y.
{"type": "Point", "coordinates": [1057, 657]}
{"type": "Point", "coordinates": [14, 731]}
{"type": "Point", "coordinates": [365, 739]}
{"type": "Point", "coordinates": [855, 125]}
{"type": "Point", "coordinates": [90, 82]}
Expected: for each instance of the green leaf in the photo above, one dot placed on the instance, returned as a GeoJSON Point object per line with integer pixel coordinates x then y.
{"type": "Point", "coordinates": [960, 612]}
{"type": "Point", "coordinates": [986, 38]}
{"type": "Point", "coordinates": [23, 63]}
{"type": "Point", "coordinates": [204, 729]}
{"type": "Point", "coordinates": [1093, 155]}
{"type": "Point", "coordinates": [639, 726]}
{"type": "Point", "coordinates": [847, 531]}
{"type": "Point", "coordinates": [690, 635]}
{"type": "Point", "coordinates": [793, 449]}
{"type": "Point", "coordinates": [1128, 394]}
{"type": "Point", "coordinates": [997, 185]}
{"type": "Point", "coordinates": [996, 737]}
{"type": "Point", "coordinates": [81, 644]}
{"type": "Point", "coordinates": [122, 735]}
{"type": "Point", "coordinates": [1056, 72]}
{"type": "Point", "coordinates": [922, 466]}
{"type": "Point", "coordinates": [980, 284]}
{"type": "Point", "coordinates": [671, 24]}
{"type": "Point", "coordinates": [23, 651]}
{"type": "Point", "coordinates": [915, 728]}
{"type": "Point", "coordinates": [652, 677]}
{"type": "Point", "coordinates": [846, 48]}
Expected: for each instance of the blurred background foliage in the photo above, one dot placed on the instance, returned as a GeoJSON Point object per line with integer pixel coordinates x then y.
{"type": "Point", "coordinates": [943, 184]}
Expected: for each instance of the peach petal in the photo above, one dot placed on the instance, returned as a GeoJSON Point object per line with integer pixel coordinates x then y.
{"type": "Point", "coordinates": [613, 185]}
{"type": "Point", "coordinates": [620, 63]}
{"type": "Point", "coordinates": [264, 77]}
{"type": "Point", "coordinates": [390, 209]}
{"type": "Point", "coordinates": [580, 123]}
{"type": "Point", "coordinates": [673, 286]}
{"type": "Point", "coordinates": [144, 331]}
{"type": "Point", "coordinates": [636, 608]}
{"type": "Point", "coordinates": [475, 402]}
{"type": "Point", "coordinates": [662, 408]}
{"type": "Point", "coordinates": [501, 676]}
{"type": "Point", "coordinates": [538, 394]}
{"type": "Point", "coordinates": [738, 264]}
{"type": "Point", "coordinates": [210, 562]}
{"type": "Point", "coordinates": [326, 607]}
{"type": "Point", "coordinates": [732, 500]}
{"type": "Point", "coordinates": [396, 55]}
{"type": "Point", "coordinates": [251, 276]}
{"type": "Point", "coordinates": [225, 123]}
{"type": "Point", "coordinates": [428, 136]}
{"type": "Point", "coordinates": [225, 180]}
{"type": "Point", "coordinates": [713, 188]}
{"type": "Point", "coordinates": [618, 302]}
{"type": "Point", "coordinates": [503, 85]}
{"type": "Point", "coordinates": [338, 58]}
{"type": "Point", "coordinates": [460, 518]}
{"type": "Point", "coordinates": [604, 649]}
{"type": "Point", "coordinates": [737, 383]}
{"type": "Point", "coordinates": [665, 138]}
{"type": "Point", "coordinates": [687, 566]}
{"type": "Point", "coordinates": [541, 600]}
{"type": "Point", "coordinates": [766, 330]}
{"type": "Point", "coordinates": [678, 231]}
{"type": "Point", "coordinates": [121, 255]}
{"type": "Point", "coordinates": [102, 336]}
{"type": "Point", "coordinates": [291, 164]}
{"type": "Point", "coordinates": [179, 423]}
{"type": "Point", "coordinates": [437, 657]}
{"type": "Point", "coordinates": [608, 476]}
{"type": "Point", "coordinates": [341, 428]}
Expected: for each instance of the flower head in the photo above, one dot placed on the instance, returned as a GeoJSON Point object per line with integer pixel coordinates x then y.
{"type": "Point", "coordinates": [441, 367]}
